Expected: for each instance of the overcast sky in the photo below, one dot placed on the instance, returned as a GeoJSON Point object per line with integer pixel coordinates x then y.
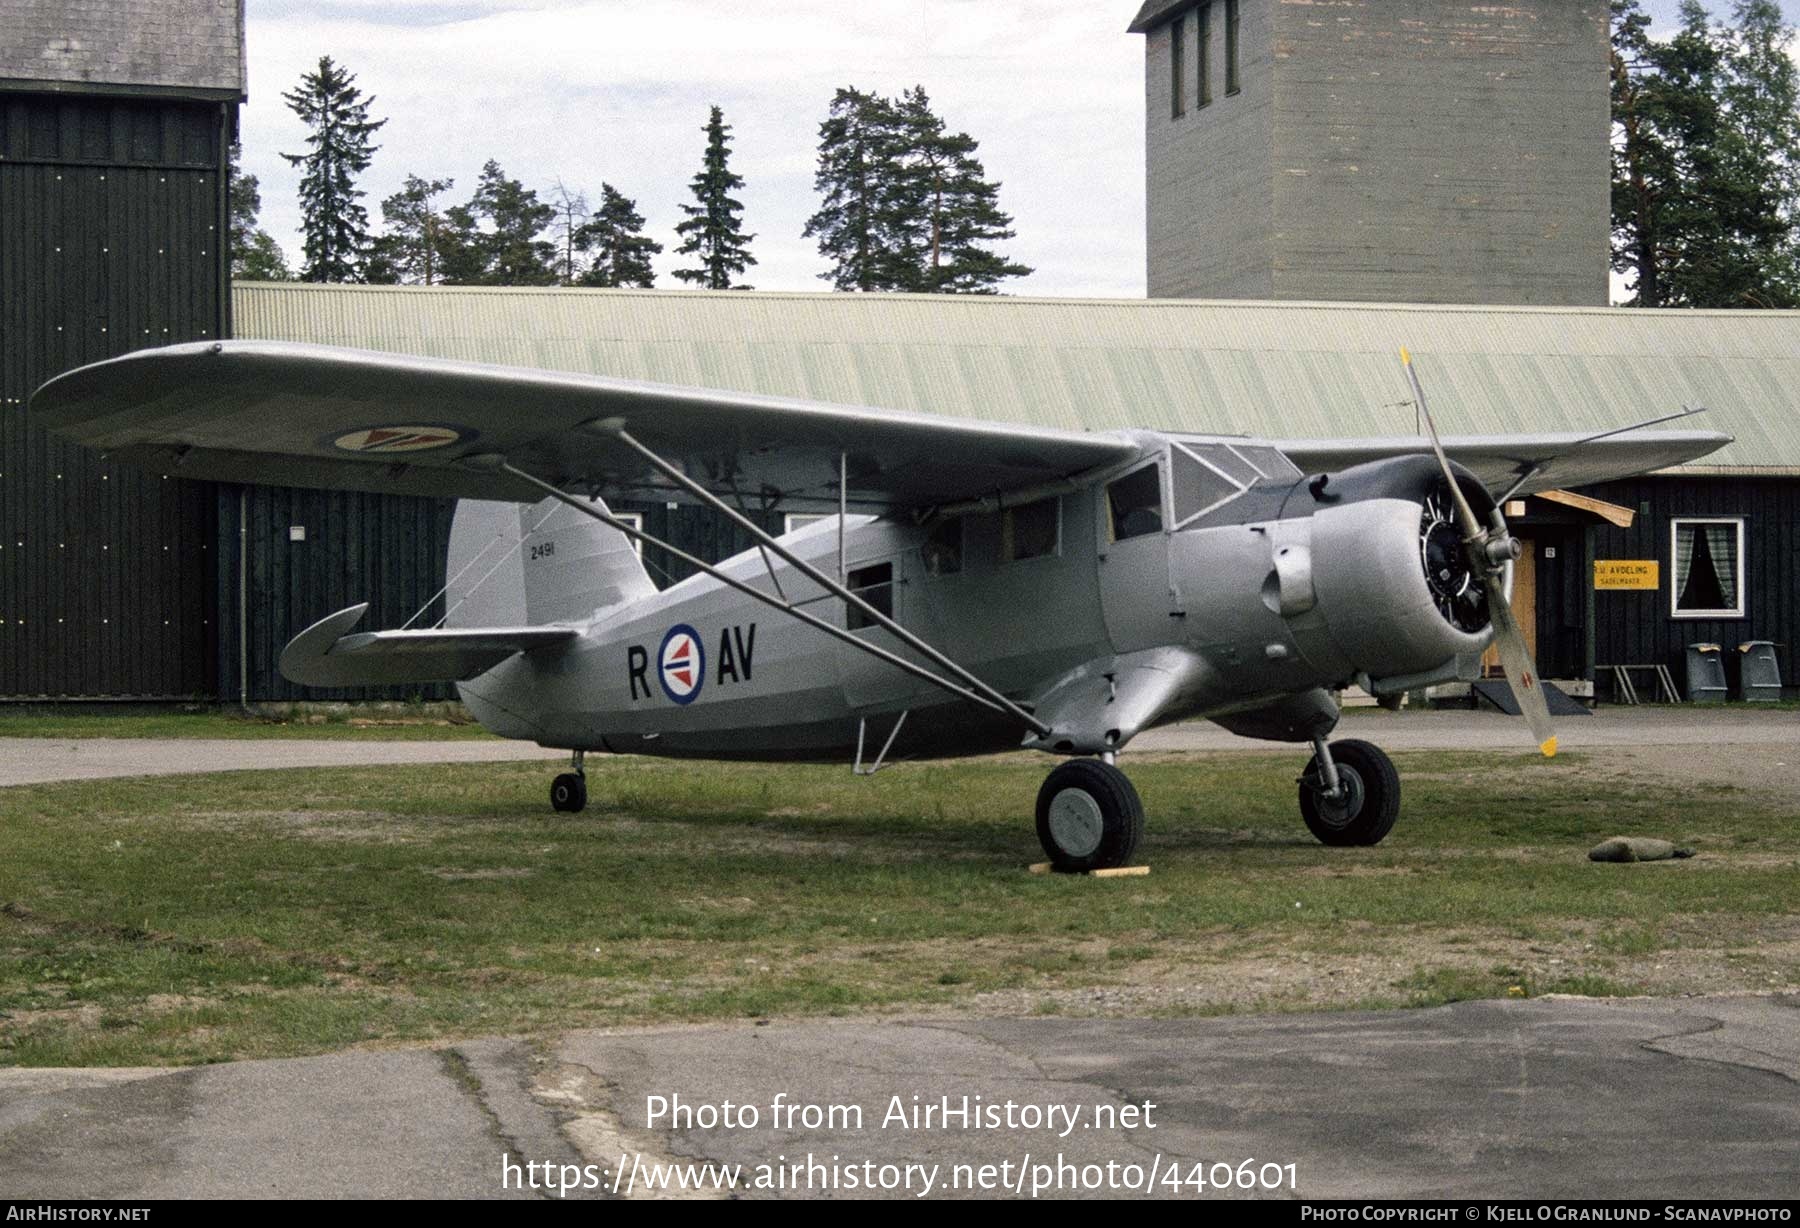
{"type": "Point", "coordinates": [618, 90]}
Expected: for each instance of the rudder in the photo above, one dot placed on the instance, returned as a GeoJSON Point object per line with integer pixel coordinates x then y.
{"type": "Point", "coordinates": [515, 564]}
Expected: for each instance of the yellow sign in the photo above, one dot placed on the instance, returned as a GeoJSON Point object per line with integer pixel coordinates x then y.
{"type": "Point", "coordinates": [1626, 573]}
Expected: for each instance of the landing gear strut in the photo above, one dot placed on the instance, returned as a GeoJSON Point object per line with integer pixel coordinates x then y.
{"type": "Point", "coordinates": [568, 792]}
{"type": "Point", "coordinates": [1349, 793]}
{"type": "Point", "coordinates": [1088, 816]}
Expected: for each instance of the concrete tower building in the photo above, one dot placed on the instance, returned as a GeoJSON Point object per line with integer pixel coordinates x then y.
{"type": "Point", "coordinates": [1445, 151]}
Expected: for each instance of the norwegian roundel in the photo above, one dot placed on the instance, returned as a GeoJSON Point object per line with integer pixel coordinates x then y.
{"type": "Point", "coordinates": [389, 439]}
{"type": "Point", "coordinates": [681, 664]}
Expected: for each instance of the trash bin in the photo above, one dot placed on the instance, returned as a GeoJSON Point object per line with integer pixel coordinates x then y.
{"type": "Point", "coordinates": [1705, 674]}
{"type": "Point", "coordinates": [1759, 673]}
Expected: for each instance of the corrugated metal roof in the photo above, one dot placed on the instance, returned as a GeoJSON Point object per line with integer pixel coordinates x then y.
{"type": "Point", "coordinates": [173, 45]}
{"type": "Point", "coordinates": [1277, 369]}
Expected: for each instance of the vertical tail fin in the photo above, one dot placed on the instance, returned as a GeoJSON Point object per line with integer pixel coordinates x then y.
{"type": "Point", "coordinates": [514, 564]}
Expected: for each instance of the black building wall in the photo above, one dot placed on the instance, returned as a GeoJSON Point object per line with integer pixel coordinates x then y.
{"type": "Point", "coordinates": [112, 216]}
{"type": "Point", "coordinates": [388, 550]}
{"type": "Point", "coordinates": [1638, 627]}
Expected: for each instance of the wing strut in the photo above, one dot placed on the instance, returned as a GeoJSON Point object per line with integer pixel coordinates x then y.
{"type": "Point", "coordinates": [615, 427]}
{"type": "Point", "coordinates": [979, 693]}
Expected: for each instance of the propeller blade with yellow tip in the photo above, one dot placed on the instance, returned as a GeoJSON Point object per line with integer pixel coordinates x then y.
{"type": "Point", "coordinates": [1515, 657]}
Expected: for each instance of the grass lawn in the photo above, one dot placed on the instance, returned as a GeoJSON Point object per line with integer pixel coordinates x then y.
{"type": "Point", "coordinates": [66, 721]}
{"type": "Point", "coordinates": [254, 914]}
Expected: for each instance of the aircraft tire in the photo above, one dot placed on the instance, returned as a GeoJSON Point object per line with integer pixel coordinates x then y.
{"type": "Point", "coordinates": [568, 793]}
{"type": "Point", "coordinates": [1374, 801]}
{"type": "Point", "coordinates": [1089, 816]}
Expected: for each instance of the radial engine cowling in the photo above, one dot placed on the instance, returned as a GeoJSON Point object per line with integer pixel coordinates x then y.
{"type": "Point", "coordinates": [1395, 599]}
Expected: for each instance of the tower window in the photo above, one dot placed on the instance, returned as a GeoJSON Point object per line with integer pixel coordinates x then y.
{"type": "Point", "coordinates": [1232, 84]}
{"type": "Point", "coordinates": [1203, 83]}
{"type": "Point", "coordinates": [1177, 66]}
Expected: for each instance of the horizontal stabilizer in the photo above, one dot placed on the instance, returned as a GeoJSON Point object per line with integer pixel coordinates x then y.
{"type": "Point", "coordinates": [324, 655]}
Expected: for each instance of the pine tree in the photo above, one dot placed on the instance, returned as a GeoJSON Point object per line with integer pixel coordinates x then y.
{"type": "Point", "coordinates": [859, 178]}
{"type": "Point", "coordinates": [1642, 163]}
{"type": "Point", "coordinates": [954, 211]}
{"type": "Point", "coordinates": [1704, 190]}
{"type": "Point", "coordinates": [518, 257]}
{"type": "Point", "coordinates": [255, 256]}
{"type": "Point", "coordinates": [335, 225]}
{"type": "Point", "coordinates": [905, 203]}
{"type": "Point", "coordinates": [464, 254]}
{"type": "Point", "coordinates": [494, 239]}
{"type": "Point", "coordinates": [410, 250]}
{"type": "Point", "coordinates": [1763, 96]}
{"type": "Point", "coordinates": [621, 250]}
{"type": "Point", "coordinates": [713, 230]}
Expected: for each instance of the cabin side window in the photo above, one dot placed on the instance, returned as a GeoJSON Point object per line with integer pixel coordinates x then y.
{"type": "Point", "coordinates": [943, 549]}
{"type": "Point", "coordinates": [1134, 504]}
{"type": "Point", "coordinates": [1029, 531]}
{"type": "Point", "coordinates": [874, 585]}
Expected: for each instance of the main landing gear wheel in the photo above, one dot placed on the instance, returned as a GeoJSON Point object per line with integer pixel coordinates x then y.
{"type": "Point", "coordinates": [1088, 816]}
{"type": "Point", "coordinates": [1368, 800]}
{"type": "Point", "coordinates": [568, 792]}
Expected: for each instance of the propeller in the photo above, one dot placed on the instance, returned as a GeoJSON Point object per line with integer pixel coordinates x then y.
{"type": "Point", "coordinates": [1490, 547]}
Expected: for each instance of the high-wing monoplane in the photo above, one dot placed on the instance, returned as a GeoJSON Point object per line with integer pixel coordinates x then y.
{"type": "Point", "coordinates": [973, 587]}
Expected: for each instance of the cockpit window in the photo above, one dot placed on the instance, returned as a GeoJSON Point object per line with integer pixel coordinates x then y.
{"type": "Point", "coordinates": [1222, 457]}
{"type": "Point", "coordinates": [1198, 485]}
{"type": "Point", "coordinates": [1134, 504]}
{"type": "Point", "coordinates": [1269, 460]}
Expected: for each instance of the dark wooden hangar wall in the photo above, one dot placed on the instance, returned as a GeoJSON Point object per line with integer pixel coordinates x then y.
{"type": "Point", "coordinates": [388, 550]}
{"type": "Point", "coordinates": [112, 216]}
{"type": "Point", "coordinates": [1638, 628]}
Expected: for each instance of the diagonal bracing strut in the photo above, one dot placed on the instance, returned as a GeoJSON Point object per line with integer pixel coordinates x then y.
{"type": "Point", "coordinates": [985, 696]}
{"type": "Point", "coordinates": [615, 428]}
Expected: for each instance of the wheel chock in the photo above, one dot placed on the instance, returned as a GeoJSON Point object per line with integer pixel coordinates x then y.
{"type": "Point", "coordinates": [1044, 867]}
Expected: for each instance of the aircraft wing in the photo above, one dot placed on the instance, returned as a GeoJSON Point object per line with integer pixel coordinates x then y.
{"type": "Point", "coordinates": [1561, 460]}
{"type": "Point", "coordinates": [303, 415]}
{"type": "Point", "coordinates": [324, 655]}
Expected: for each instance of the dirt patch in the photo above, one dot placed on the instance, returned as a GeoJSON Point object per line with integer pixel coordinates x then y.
{"type": "Point", "coordinates": [459, 876]}
{"type": "Point", "coordinates": [1398, 968]}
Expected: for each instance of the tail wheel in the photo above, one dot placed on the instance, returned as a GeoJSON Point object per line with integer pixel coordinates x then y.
{"type": "Point", "coordinates": [1369, 800]}
{"type": "Point", "coordinates": [568, 793]}
{"type": "Point", "coordinates": [1088, 816]}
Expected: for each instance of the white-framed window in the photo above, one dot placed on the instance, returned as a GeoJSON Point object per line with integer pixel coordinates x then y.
{"type": "Point", "coordinates": [636, 521]}
{"type": "Point", "coordinates": [799, 520]}
{"type": "Point", "coordinates": [1706, 572]}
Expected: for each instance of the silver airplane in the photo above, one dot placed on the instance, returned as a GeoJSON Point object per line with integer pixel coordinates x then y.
{"type": "Point", "coordinates": [974, 587]}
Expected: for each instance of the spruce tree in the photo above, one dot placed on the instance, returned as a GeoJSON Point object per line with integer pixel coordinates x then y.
{"type": "Point", "coordinates": [255, 256]}
{"type": "Point", "coordinates": [714, 229]}
{"type": "Point", "coordinates": [336, 226]}
{"type": "Point", "coordinates": [621, 250]}
{"type": "Point", "coordinates": [410, 250]}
